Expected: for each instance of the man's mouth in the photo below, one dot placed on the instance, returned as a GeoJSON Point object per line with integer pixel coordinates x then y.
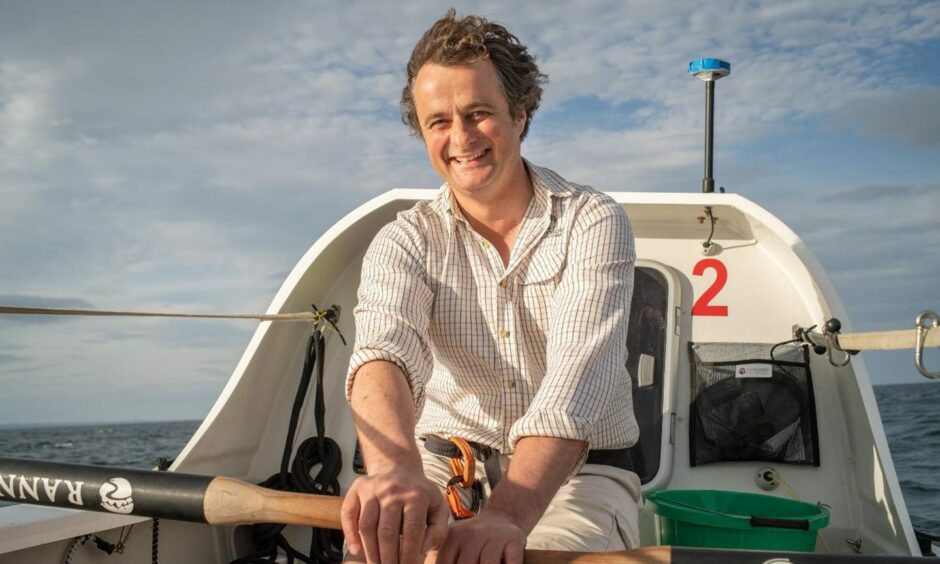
{"type": "Point", "coordinates": [470, 158]}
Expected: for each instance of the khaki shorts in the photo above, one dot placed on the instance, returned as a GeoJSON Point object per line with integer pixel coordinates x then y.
{"type": "Point", "coordinates": [595, 511]}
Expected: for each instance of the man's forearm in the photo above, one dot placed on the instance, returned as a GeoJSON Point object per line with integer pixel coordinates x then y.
{"type": "Point", "coordinates": [540, 465]}
{"type": "Point", "coordinates": [394, 514]}
{"type": "Point", "coordinates": [383, 411]}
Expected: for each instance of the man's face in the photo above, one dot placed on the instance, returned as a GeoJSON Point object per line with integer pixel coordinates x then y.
{"type": "Point", "coordinates": [472, 140]}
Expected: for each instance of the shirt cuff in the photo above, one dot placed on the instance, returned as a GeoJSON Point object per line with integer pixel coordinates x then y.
{"type": "Point", "coordinates": [552, 424]}
{"type": "Point", "coordinates": [364, 356]}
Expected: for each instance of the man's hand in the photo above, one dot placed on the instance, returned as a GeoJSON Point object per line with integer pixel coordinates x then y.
{"type": "Point", "coordinates": [394, 514]}
{"type": "Point", "coordinates": [492, 537]}
{"type": "Point", "coordinates": [498, 533]}
{"type": "Point", "coordinates": [394, 517]}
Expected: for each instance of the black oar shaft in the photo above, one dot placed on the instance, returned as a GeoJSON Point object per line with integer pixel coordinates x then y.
{"type": "Point", "coordinates": [121, 491]}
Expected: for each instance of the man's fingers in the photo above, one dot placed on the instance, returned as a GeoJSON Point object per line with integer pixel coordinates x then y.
{"type": "Point", "coordinates": [438, 516]}
{"type": "Point", "coordinates": [514, 553]}
{"type": "Point", "coordinates": [349, 517]}
{"type": "Point", "coordinates": [414, 526]}
{"type": "Point", "coordinates": [368, 523]}
{"type": "Point", "coordinates": [389, 533]}
{"type": "Point", "coordinates": [492, 553]}
{"type": "Point", "coordinates": [447, 553]}
{"type": "Point", "coordinates": [468, 553]}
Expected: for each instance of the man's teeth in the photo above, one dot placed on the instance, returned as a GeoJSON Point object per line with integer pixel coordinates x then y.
{"type": "Point", "coordinates": [470, 158]}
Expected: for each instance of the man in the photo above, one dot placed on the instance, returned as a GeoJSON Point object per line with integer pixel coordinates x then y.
{"type": "Point", "coordinates": [496, 313]}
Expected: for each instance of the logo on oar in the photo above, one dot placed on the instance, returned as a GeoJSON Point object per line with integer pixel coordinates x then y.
{"type": "Point", "coordinates": [117, 496]}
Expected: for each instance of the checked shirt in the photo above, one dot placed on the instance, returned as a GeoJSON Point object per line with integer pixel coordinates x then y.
{"type": "Point", "coordinates": [494, 353]}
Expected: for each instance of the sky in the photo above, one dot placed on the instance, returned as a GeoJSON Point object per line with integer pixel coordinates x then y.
{"type": "Point", "coordinates": [182, 156]}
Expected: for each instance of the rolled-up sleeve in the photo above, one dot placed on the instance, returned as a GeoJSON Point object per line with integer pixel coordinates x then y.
{"type": "Point", "coordinates": [587, 333]}
{"type": "Point", "coordinates": [394, 307]}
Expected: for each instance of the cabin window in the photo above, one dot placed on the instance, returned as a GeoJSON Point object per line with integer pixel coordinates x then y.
{"type": "Point", "coordinates": [646, 361]}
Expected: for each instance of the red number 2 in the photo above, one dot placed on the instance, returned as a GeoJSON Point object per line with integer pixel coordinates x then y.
{"type": "Point", "coordinates": [703, 305]}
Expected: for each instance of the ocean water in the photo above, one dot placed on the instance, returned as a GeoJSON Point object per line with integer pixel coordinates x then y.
{"type": "Point", "coordinates": [911, 417]}
{"type": "Point", "coordinates": [133, 445]}
{"type": "Point", "coordinates": [910, 414]}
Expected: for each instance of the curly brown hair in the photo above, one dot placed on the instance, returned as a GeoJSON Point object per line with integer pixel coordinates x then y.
{"type": "Point", "coordinates": [452, 41]}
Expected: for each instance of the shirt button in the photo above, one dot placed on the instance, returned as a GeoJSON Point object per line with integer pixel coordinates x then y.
{"type": "Point", "coordinates": [503, 283]}
{"type": "Point", "coordinates": [510, 384]}
{"type": "Point", "coordinates": [504, 333]}
{"type": "Point", "coordinates": [486, 244]}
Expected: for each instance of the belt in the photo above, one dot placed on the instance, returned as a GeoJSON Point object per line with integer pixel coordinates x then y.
{"type": "Point", "coordinates": [494, 463]}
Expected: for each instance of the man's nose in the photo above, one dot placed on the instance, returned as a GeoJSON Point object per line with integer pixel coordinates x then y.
{"type": "Point", "coordinates": [463, 133]}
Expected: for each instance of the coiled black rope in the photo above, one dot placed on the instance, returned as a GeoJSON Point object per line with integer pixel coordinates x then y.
{"type": "Point", "coordinates": [319, 451]}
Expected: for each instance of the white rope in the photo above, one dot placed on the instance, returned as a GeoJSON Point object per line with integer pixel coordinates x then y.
{"type": "Point", "coordinates": [307, 316]}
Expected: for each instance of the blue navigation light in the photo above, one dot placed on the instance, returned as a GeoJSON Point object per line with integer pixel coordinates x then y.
{"type": "Point", "coordinates": [709, 69]}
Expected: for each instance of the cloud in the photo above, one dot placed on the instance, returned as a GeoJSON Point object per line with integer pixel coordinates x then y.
{"type": "Point", "coordinates": [866, 194]}
{"type": "Point", "coordinates": [174, 156]}
{"type": "Point", "coordinates": [912, 116]}
{"type": "Point", "coordinates": [43, 301]}
{"type": "Point", "coordinates": [879, 244]}
{"type": "Point", "coordinates": [6, 358]}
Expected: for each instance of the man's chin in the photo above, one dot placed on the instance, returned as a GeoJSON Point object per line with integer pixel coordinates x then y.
{"type": "Point", "coordinates": [470, 181]}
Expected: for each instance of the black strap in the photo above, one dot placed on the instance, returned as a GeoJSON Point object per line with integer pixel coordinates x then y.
{"type": "Point", "coordinates": [443, 447]}
{"type": "Point", "coordinates": [489, 456]}
{"type": "Point", "coordinates": [616, 457]}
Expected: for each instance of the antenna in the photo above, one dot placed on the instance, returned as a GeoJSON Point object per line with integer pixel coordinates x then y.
{"type": "Point", "coordinates": [709, 70]}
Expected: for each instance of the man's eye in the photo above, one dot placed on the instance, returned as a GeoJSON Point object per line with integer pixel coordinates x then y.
{"type": "Point", "coordinates": [479, 115]}
{"type": "Point", "coordinates": [436, 124]}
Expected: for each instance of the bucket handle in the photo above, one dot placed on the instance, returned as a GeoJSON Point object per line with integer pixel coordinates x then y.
{"type": "Point", "coordinates": [801, 524]}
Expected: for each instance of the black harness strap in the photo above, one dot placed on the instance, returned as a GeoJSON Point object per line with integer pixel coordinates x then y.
{"type": "Point", "coordinates": [495, 464]}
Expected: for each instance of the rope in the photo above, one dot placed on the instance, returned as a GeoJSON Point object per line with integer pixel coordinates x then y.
{"type": "Point", "coordinates": [794, 495]}
{"type": "Point", "coordinates": [100, 543]}
{"type": "Point", "coordinates": [162, 465]}
{"type": "Point", "coordinates": [73, 546]}
{"type": "Point", "coordinates": [155, 543]}
{"type": "Point", "coordinates": [304, 317]}
{"type": "Point", "coordinates": [322, 451]}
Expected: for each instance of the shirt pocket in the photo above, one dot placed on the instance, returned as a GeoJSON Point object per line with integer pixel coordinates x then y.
{"type": "Point", "coordinates": [546, 262]}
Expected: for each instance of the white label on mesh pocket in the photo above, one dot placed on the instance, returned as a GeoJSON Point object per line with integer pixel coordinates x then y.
{"type": "Point", "coordinates": [753, 371]}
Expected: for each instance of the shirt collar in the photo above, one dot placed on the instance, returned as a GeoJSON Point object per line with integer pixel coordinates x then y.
{"type": "Point", "coordinates": [545, 184]}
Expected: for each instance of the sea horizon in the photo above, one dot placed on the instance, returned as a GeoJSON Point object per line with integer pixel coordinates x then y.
{"type": "Point", "coordinates": [48, 424]}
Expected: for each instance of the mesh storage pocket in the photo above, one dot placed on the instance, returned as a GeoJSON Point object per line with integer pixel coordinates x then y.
{"type": "Point", "coordinates": [749, 405]}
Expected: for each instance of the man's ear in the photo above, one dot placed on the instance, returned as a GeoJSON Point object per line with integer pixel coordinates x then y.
{"type": "Point", "coordinates": [520, 119]}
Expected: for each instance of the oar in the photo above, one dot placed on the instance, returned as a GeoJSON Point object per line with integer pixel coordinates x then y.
{"type": "Point", "coordinates": [215, 500]}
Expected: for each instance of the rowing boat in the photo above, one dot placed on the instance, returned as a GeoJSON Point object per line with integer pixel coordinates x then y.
{"type": "Point", "coordinates": [691, 310]}
{"type": "Point", "coordinates": [745, 380]}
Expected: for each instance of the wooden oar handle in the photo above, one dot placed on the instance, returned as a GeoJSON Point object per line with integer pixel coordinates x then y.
{"type": "Point", "coordinates": [233, 502]}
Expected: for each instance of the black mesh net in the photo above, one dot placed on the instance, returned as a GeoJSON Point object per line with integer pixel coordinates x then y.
{"type": "Point", "coordinates": [749, 404]}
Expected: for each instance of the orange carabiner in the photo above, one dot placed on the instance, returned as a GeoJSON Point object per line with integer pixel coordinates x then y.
{"type": "Point", "coordinates": [464, 470]}
{"type": "Point", "coordinates": [465, 466]}
{"type": "Point", "coordinates": [457, 508]}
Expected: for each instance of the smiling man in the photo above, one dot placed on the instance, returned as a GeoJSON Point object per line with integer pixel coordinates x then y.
{"type": "Point", "coordinates": [495, 314]}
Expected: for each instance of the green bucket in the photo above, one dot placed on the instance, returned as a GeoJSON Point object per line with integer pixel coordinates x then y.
{"type": "Point", "coordinates": [721, 519]}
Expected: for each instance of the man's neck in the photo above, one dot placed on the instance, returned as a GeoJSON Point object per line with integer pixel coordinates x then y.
{"type": "Point", "coordinates": [500, 210]}
{"type": "Point", "coordinates": [498, 214]}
